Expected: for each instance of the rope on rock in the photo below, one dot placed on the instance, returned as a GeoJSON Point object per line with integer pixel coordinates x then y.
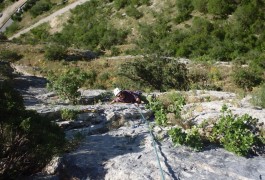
{"type": "Point", "coordinates": [153, 142]}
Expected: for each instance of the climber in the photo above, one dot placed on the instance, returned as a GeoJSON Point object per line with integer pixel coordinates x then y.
{"type": "Point", "coordinates": [126, 96]}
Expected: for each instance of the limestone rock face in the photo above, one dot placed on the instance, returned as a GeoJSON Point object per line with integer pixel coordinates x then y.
{"type": "Point", "coordinates": [117, 143]}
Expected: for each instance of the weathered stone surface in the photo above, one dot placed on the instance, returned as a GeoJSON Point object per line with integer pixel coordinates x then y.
{"type": "Point", "coordinates": [117, 144]}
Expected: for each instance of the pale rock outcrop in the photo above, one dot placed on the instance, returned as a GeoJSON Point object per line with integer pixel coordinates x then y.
{"type": "Point", "coordinates": [118, 145]}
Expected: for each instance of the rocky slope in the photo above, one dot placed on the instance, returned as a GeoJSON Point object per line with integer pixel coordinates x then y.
{"type": "Point", "coordinates": [117, 143]}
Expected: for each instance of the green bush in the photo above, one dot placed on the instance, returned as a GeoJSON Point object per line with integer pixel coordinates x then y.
{"type": "Point", "coordinates": [246, 79]}
{"type": "Point", "coordinates": [200, 5]}
{"type": "Point", "coordinates": [157, 73]}
{"type": "Point", "coordinates": [119, 4]}
{"type": "Point", "coordinates": [246, 14]}
{"type": "Point", "coordinates": [170, 103]}
{"type": "Point", "coordinates": [192, 138]}
{"type": "Point", "coordinates": [25, 137]}
{"type": "Point", "coordinates": [184, 8]}
{"type": "Point", "coordinates": [12, 28]}
{"type": "Point", "coordinates": [133, 12]}
{"type": "Point", "coordinates": [55, 52]}
{"type": "Point", "coordinates": [9, 56]}
{"type": "Point", "coordinates": [258, 96]}
{"type": "Point", "coordinates": [236, 134]}
{"type": "Point", "coordinates": [2, 37]}
{"type": "Point", "coordinates": [40, 7]}
{"type": "Point", "coordinates": [66, 85]}
{"type": "Point", "coordinates": [219, 7]}
{"type": "Point", "coordinates": [68, 114]}
{"type": "Point", "coordinates": [239, 134]}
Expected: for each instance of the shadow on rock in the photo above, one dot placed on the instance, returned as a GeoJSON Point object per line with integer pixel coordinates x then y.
{"type": "Point", "coordinates": [26, 82]}
{"type": "Point", "coordinates": [87, 162]}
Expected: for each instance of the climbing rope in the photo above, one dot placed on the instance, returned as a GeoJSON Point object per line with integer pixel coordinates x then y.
{"type": "Point", "coordinates": [153, 142]}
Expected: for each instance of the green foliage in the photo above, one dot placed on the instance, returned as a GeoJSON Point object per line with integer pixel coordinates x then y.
{"type": "Point", "coordinates": [9, 56]}
{"type": "Point", "coordinates": [161, 117]}
{"type": "Point", "coordinates": [55, 52]}
{"type": "Point", "coordinates": [40, 34]}
{"type": "Point", "coordinates": [90, 29]}
{"type": "Point", "coordinates": [40, 7]}
{"type": "Point", "coordinates": [258, 96]}
{"type": "Point", "coordinates": [177, 102]}
{"type": "Point", "coordinates": [66, 85]}
{"type": "Point", "coordinates": [247, 14]}
{"type": "Point", "coordinates": [133, 12]}
{"type": "Point", "coordinates": [191, 138]}
{"type": "Point", "coordinates": [159, 110]}
{"type": "Point", "coordinates": [12, 28]}
{"type": "Point", "coordinates": [2, 37]}
{"type": "Point", "coordinates": [200, 5]}
{"type": "Point", "coordinates": [177, 135]}
{"type": "Point", "coordinates": [25, 137]}
{"type": "Point", "coordinates": [171, 103]}
{"type": "Point", "coordinates": [218, 7]}
{"type": "Point", "coordinates": [68, 114]}
{"type": "Point", "coordinates": [236, 134]}
{"type": "Point", "coordinates": [184, 9]}
{"type": "Point", "coordinates": [201, 25]}
{"type": "Point", "coordinates": [156, 72]}
{"type": "Point", "coordinates": [119, 4]}
{"type": "Point", "coordinates": [6, 72]}
{"type": "Point", "coordinates": [246, 79]}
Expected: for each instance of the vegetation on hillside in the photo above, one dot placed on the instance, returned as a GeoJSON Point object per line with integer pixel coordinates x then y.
{"type": "Point", "coordinates": [28, 140]}
{"type": "Point", "coordinates": [242, 135]}
{"type": "Point", "coordinates": [198, 30]}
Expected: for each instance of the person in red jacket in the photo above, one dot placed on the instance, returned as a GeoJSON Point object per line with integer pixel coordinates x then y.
{"type": "Point", "coordinates": [125, 96]}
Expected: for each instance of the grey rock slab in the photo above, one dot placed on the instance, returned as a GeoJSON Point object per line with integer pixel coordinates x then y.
{"type": "Point", "coordinates": [128, 153]}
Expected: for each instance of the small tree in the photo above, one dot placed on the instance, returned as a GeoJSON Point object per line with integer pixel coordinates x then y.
{"type": "Point", "coordinates": [67, 83]}
{"type": "Point", "coordinates": [157, 72]}
{"type": "Point", "coordinates": [55, 52]}
{"type": "Point", "coordinates": [246, 79]}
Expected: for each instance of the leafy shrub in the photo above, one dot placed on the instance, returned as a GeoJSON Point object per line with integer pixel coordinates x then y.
{"type": "Point", "coordinates": [6, 71]}
{"type": "Point", "coordinates": [218, 7]}
{"type": "Point", "coordinates": [201, 25]}
{"type": "Point", "coordinates": [67, 83]}
{"type": "Point", "coordinates": [239, 134]}
{"type": "Point", "coordinates": [40, 7]}
{"type": "Point", "coordinates": [84, 30]}
{"type": "Point", "coordinates": [25, 137]}
{"type": "Point", "coordinates": [198, 77]}
{"type": "Point", "coordinates": [16, 17]}
{"type": "Point", "coordinates": [184, 9]}
{"type": "Point", "coordinates": [10, 56]}
{"type": "Point", "coordinates": [133, 12]}
{"type": "Point", "coordinates": [236, 134]}
{"type": "Point", "coordinates": [246, 79]}
{"type": "Point", "coordinates": [200, 5]}
{"type": "Point", "coordinates": [12, 28]}
{"type": "Point", "coordinates": [192, 138]}
{"type": "Point", "coordinates": [258, 96]}
{"type": "Point", "coordinates": [68, 114]}
{"type": "Point", "coordinates": [55, 52]}
{"type": "Point", "coordinates": [246, 14]}
{"type": "Point", "coordinates": [157, 72]}
{"type": "Point", "coordinates": [40, 34]}
{"type": "Point", "coordinates": [161, 106]}
{"type": "Point", "coordinates": [2, 37]}
{"type": "Point", "coordinates": [159, 110]}
{"type": "Point", "coordinates": [119, 4]}
{"type": "Point", "coordinates": [176, 103]}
